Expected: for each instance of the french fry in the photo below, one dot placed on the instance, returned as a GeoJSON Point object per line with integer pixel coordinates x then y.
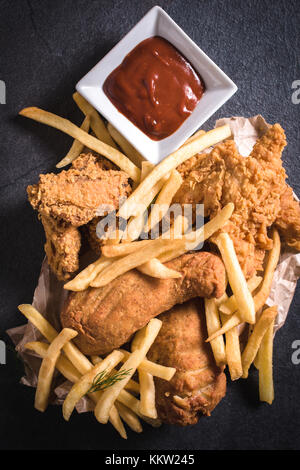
{"type": "Point", "coordinates": [236, 278]}
{"type": "Point", "coordinates": [233, 320]}
{"type": "Point", "coordinates": [259, 330]}
{"type": "Point", "coordinates": [230, 305]}
{"type": "Point", "coordinates": [164, 199]}
{"type": "Point", "coordinates": [48, 366]}
{"type": "Point", "coordinates": [213, 324]}
{"type": "Point", "coordinates": [155, 268]}
{"type": "Point", "coordinates": [79, 360]}
{"type": "Point", "coordinates": [97, 124]}
{"type": "Point", "coordinates": [136, 223]}
{"type": "Point", "coordinates": [273, 258]}
{"type": "Point", "coordinates": [147, 394]}
{"type": "Point", "coordinates": [131, 261]}
{"type": "Point", "coordinates": [195, 136]}
{"type": "Point", "coordinates": [88, 140]}
{"type": "Point", "coordinates": [233, 351]}
{"type": "Point", "coordinates": [84, 384]}
{"type": "Point", "coordinates": [193, 239]}
{"type": "Point", "coordinates": [157, 370]}
{"type": "Point", "coordinates": [111, 251]}
{"type": "Point", "coordinates": [131, 205]}
{"type": "Point", "coordinates": [147, 167]}
{"type": "Point", "coordinates": [66, 368]}
{"type": "Point", "coordinates": [129, 417]}
{"type": "Point", "coordinates": [87, 275]}
{"type": "Point", "coordinates": [147, 387]}
{"type": "Point", "coordinates": [127, 148]}
{"type": "Point", "coordinates": [110, 395]}
{"type": "Point", "coordinates": [63, 365]}
{"type": "Point", "coordinates": [265, 366]}
{"type": "Point", "coordinates": [77, 147]}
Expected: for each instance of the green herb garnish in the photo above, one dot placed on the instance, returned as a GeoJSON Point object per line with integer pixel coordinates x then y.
{"type": "Point", "coordinates": [104, 379]}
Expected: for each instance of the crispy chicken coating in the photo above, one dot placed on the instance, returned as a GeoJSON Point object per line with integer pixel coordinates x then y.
{"type": "Point", "coordinates": [70, 199]}
{"type": "Point", "coordinates": [255, 184]}
{"type": "Point", "coordinates": [198, 384]}
{"type": "Point", "coordinates": [107, 317]}
{"type": "Point", "coordinates": [62, 247]}
{"type": "Point", "coordinates": [74, 195]}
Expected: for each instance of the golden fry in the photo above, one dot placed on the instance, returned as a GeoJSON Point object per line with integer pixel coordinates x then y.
{"type": "Point", "coordinates": [131, 261]}
{"type": "Point", "coordinates": [77, 147]}
{"type": "Point", "coordinates": [97, 124]}
{"type": "Point", "coordinates": [259, 330]}
{"type": "Point", "coordinates": [110, 395]}
{"type": "Point", "coordinates": [233, 320]}
{"type": "Point", "coordinates": [265, 362]}
{"type": "Point", "coordinates": [164, 199]}
{"type": "Point", "coordinates": [129, 417]}
{"type": "Point", "coordinates": [127, 148]}
{"type": "Point", "coordinates": [87, 275]}
{"type": "Point", "coordinates": [48, 366]}
{"type": "Point", "coordinates": [88, 140]}
{"type": "Point", "coordinates": [236, 278]}
{"type": "Point", "coordinates": [233, 351]}
{"type": "Point", "coordinates": [213, 324]}
{"type": "Point", "coordinates": [230, 305]}
{"type": "Point", "coordinates": [157, 370]}
{"type": "Point", "coordinates": [84, 384]}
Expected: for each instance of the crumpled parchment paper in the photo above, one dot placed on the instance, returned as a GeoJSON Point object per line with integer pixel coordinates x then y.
{"type": "Point", "coordinates": [49, 294]}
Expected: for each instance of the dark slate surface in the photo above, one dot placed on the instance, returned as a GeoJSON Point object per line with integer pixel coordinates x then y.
{"type": "Point", "coordinates": [46, 47]}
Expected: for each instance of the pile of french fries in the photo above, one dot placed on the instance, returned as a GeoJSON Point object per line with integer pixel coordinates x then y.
{"type": "Point", "coordinates": [246, 305]}
{"type": "Point", "coordinates": [119, 400]}
{"type": "Point", "coordinates": [123, 252]}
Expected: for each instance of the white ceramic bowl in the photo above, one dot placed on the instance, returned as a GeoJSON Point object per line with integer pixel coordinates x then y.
{"type": "Point", "coordinates": [219, 87]}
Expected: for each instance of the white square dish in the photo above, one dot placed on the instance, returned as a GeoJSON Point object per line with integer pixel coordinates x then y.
{"type": "Point", "coordinates": [219, 87]}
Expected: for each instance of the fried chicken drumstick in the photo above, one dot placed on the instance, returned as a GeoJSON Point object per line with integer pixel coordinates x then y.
{"type": "Point", "coordinates": [107, 317]}
{"type": "Point", "coordinates": [198, 384]}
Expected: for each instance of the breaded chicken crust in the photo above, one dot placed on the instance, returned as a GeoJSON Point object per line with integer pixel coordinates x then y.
{"type": "Point", "coordinates": [107, 317]}
{"type": "Point", "coordinates": [63, 242]}
{"type": "Point", "coordinates": [76, 194]}
{"type": "Point", "coordinates": [198, 384]}
{"type": "Point", "coordinates": [255, 184]}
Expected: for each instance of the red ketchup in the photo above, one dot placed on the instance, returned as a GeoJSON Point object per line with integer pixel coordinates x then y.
{"type": "Point", "coordinates": [155, 87]}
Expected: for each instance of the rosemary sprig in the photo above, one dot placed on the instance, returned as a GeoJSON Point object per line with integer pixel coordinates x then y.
{"type": "Point", "coordinates": [104, 379]}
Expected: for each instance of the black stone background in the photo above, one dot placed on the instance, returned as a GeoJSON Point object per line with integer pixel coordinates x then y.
{"type": "Point", "coordinates": [46, 47]}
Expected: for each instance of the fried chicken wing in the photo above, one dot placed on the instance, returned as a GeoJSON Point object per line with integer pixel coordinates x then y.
{"type": "Point", "coordinates": [70, 199]}
{"type": "Point", "coordinates": [75, 195]}
{"type": "Point", "coordinates": [62, 247]}
{"type": "Point", "coordinates": [255, 184]}
{"type": "Point", "coordinates": [106, 317]}
{"type": "Point", "coordinates": [198, 384]}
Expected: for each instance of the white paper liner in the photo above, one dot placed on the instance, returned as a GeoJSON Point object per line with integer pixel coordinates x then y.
{"type": "Point", "coordinates": [49, 294]}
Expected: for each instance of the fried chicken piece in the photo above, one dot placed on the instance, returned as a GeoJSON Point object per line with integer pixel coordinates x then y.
{"type": "Point", "coordinates": [94, 242]}
{"type": "Point", "coordinates": [75, 195]}
{"type": "Point", "coordinates": [62, 247]}
{"type": "Point", "coordinates": [107, 317]}
{"type": "Point", "coordinates": [288, 220]}
{"type": "Point", "coordinates": [198, 384]}
{"type": "Point", "coordinates": [254, 184]}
